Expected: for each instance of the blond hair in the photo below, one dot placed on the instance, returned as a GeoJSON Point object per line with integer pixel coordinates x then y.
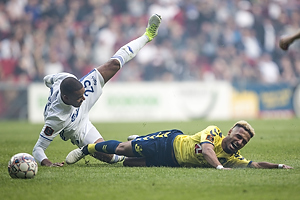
{"type": "Point", "coordinates": [246, 126]}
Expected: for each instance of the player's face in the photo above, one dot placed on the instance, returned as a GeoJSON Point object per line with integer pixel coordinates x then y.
{"type": "Point", "coordinates": [237, 138]}
{"type": "Point", "coordinates": [77, 98]}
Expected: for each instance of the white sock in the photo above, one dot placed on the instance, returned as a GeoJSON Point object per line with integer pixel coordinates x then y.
{"type": "Point", "coordinates": [116, 158]}
{"type": "Point", "coordinates": [129, 51]}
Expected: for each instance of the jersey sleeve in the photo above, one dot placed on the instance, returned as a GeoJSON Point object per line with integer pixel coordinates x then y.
{"type": "Point", "coordinates": [46, 136]}
{"type": "Point", "coordinates": [93, 83]}
{"type": "Point", "coordinates": [210, 135]}
{"type": "Point", "coordinates": [38, 151]}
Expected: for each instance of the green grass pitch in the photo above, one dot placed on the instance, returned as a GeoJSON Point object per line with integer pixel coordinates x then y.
{"type": "Point", "coordinates": [276, 141]}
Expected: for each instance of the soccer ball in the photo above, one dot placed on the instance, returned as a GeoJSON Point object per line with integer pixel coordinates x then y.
{"type": "Point", "coordinates": [22, 165]}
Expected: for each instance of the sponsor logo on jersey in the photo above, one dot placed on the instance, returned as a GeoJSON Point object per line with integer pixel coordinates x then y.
{"type": "Point", "coordinates": [138, 149]}
{"type": "Point", "coordinates": [104, 149]}
{"type": "Point", "coordinates": [74, 115]}
{"type": "Point", "coordinates": [94, 80]}
{"type": "Point", "coordinates": [48, 131]}
{"type": "Point", "coordinates": [210, 138]}
{"type": "Point", "coordinates": [222, 160]}
{"type": "Point", "coordinates": [62, 135]}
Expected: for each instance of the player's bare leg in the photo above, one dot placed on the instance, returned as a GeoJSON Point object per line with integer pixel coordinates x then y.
{"type": "Point", "coordinates": [77, 155]}
{"type": "Point", "coordinates": [108, 158]}
{"type": "Point", "coordinates": [107, 147]}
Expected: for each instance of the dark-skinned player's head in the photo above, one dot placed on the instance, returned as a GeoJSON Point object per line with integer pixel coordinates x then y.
{"type": "Point", "coordinates": [72, 92]}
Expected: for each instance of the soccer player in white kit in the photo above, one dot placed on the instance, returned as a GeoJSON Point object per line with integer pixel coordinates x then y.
{"type": "Point", "coordinates": [67, 110]}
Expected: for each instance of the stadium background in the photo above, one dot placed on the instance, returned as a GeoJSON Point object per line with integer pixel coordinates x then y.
{"type": "Point", "coordinates": [211, 59]}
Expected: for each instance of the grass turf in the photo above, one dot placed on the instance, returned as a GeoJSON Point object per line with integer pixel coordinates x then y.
{"type": "Point", "coordinates": [275, 141]}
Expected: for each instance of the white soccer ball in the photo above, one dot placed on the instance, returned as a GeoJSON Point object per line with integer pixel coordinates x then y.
{"type": "Point", "coordinates": [22, 165]}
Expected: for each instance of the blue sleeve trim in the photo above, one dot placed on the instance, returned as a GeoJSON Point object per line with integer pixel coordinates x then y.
{"type": "Point", "coordinates": [86, 75]}
{"type": "Point", "coordinates": [207, 142]}
{"type": "Point", "coordinates": [249, 163]}
{"type": "Point", "coordinates": [46, 138]}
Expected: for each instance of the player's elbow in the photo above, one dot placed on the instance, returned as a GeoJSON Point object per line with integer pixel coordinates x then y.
{"type": "Point", "coordinates": [207, 152]}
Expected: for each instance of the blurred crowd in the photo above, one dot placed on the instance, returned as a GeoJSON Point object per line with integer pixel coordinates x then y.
{"type": "Point", "coordinates": [199, 40]}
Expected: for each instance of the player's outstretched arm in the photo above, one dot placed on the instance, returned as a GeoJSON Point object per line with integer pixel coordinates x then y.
{"type": "Point", "coordinates": [40, 156]}
{"type": "Point", "coordinates": [38, 153]}
{"type": "Point", "coordinates": [267, 165]}
{"type": "Point", "coordinates": [286, 41]}
{"type": "Point", "coordinates": [210, 156]}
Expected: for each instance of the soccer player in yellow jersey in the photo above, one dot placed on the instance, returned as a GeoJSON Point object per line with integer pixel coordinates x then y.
{"type": "Point", "coordinates": [208, 148]}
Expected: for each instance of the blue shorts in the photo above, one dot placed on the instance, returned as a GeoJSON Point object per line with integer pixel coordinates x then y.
{"type": "Point", "coordinates": [157, 148]}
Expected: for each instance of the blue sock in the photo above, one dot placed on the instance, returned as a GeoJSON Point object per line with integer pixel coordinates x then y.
{"type": "Point", "coordinates": [107, 146]}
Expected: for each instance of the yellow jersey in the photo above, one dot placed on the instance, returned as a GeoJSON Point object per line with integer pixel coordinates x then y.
{"type": "Point", "coordinates": [188, 151]}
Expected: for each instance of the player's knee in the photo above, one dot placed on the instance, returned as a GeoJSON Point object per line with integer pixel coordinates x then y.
{"type": "Point", "coordinates": [124, 148]}
{"type": "Point", "coordinates": [120, 150]}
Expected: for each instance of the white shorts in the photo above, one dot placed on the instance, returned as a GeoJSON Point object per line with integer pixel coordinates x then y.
{"type": "Point", "coordinates": [89, 136]}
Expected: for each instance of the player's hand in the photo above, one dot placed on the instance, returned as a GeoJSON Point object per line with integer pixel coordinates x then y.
{"type": "Point", "coordinates": [284, 43]}
{"type": "Point", "coordinates": [286, 167]}
{"type": "Point", "coordinates": [48, 163]}
{"type": "Point", "coordinates": [226, 168]}
{"type": "Point", "coordinates": [220, 167]}
{"type": "Point", "coordinates": [57, 164]}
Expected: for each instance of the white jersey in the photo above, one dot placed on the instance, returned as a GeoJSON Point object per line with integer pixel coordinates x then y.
{"type": "Point", "coordinates": [65, 120]}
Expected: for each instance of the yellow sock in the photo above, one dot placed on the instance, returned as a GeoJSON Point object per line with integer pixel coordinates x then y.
{"type": "Point", "coordinates": [91, 148]}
